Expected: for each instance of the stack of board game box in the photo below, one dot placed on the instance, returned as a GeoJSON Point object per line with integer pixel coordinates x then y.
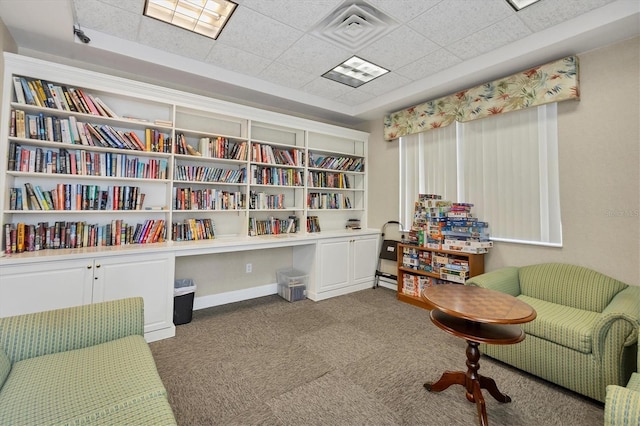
{"type": "Point", "coordinates": [447, 225]}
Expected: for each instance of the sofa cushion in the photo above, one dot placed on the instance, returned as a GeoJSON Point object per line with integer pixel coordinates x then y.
{"type": "Point", "coordinates": [569, 285]}
{"type": "Point", "coordinates": [84, 385]}
{"type": "Point", "coordinates": [560, 324]}
{"type": "Point", "coordinates": [5, 367]}
{"type": "Point", "coordinates": [634, 382]}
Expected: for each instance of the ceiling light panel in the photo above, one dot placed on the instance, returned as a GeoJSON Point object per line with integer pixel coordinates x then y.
{"type": "Point", "coordinates": [205, 17]}
{"type": "Point", "coordinates": [355, 72]}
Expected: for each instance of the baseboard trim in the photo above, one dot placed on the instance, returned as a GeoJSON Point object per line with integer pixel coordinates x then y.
{"type": "Point", "coordinates": [163, 333]}
{"type": "Point", "coordinates": [391, 285]}
{"type": "Point", "coordinates": [211, 300]}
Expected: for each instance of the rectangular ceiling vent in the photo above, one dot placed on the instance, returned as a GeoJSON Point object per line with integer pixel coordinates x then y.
{"type": "Point", "coordinates": [354, 26]}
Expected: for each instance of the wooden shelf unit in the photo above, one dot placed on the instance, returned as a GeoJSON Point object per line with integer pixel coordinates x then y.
{"type": "Point", "coordinates": [475, 261]}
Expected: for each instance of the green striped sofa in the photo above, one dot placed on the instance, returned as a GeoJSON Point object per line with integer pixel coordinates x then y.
{"type": "Point", "coordinates": [584, 336]}
{"type": "Point", "coordinates": [622, 405]}
{"type": "Point", "coordinates": [86, 365]}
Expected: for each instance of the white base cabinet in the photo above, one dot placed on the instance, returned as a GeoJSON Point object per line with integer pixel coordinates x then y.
{"type": "Point", "coordinates": [344, 265]}
{"type": "Point", "coordinates": [43, 286]}
{"type": "Point", "coordinates": [58, 284]}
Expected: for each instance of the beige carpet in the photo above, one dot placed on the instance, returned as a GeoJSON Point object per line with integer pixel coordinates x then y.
{"type": "Point", "coordinates": [358, 359]}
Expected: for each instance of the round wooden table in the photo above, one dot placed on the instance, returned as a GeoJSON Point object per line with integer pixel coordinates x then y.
{"type": "Point", "coordinates": [478, 315]}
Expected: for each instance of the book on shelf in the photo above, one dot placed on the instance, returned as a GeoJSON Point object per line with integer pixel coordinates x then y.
{"type": "Point", "coordinates": [313, 224]}
{"type": "Point", "coordinates": [33, 201]}
{"type": "Point", "coordinates": [108, 111]}
{"type": "Point", "coordinates": [18, 90]}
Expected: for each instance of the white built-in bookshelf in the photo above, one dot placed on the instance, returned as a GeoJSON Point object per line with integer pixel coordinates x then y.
{"type": "Point", "coordinates": [84, 141]}
{"type": "Point", "coordinates": [106, 181]}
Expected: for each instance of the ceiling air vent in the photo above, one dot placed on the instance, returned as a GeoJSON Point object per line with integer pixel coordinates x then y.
{"type": "Point", "coordinates": [354, 26]}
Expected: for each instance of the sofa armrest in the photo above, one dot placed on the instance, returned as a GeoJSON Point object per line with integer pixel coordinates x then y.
{"type": "Point", "coordinates": [504, 280]}
{"type": "Point", "coordinates": [41, 333]}
{"type": "Point", "coordinates": [623, 307]}
{"type": "Point", "coordinates": [621, 406]}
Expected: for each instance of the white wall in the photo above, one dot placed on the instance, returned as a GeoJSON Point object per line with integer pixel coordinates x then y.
{"type": "Point", "coordinates": [8, 45]}
{"type": "Point", "coordinates": [599, 153]}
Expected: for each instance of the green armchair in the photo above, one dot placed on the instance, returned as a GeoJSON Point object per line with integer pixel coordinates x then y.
{"type": "Point", "coordinates": [622, 405]}
{"type": "Point", "coordinates": [584, 337]}
{"type": "Point", "coordinates": [82, 365]}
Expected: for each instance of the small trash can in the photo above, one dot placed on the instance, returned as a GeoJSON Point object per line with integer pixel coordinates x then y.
{"type": "Point", "coordinates": [183, 293]}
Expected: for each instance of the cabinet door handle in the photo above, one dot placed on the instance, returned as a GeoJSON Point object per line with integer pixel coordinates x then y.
{"type": "Point", "coordinates": [88, 266]}
{"type": "Point", "coordinates": [97, 266]}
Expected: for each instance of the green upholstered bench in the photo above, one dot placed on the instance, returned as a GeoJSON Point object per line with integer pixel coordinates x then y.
{"type": "Point", "coordinates": [584, 336]}
{"type": "Point", "coordinates": [82, 365]}
{"type": "Point", "coordinates": [622, 405]}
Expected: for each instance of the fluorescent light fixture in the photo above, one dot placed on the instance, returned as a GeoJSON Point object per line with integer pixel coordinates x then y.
{"type": "Point", "coordinates": [521, 4]}
{"type": "Point", "coordinates": [205, 17]}
{"type": "Point", "coordinates": [355, 72]}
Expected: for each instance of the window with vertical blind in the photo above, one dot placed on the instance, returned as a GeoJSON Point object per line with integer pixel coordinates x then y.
{"type": "Point", "coordinates": [506, 165]}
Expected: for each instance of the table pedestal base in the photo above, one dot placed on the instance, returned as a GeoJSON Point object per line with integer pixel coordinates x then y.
{"type": "Point", "coordinates": [472, 381]}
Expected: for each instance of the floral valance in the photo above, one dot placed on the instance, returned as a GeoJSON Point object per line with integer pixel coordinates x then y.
{"type": "Point", "coordinates": [553, 82]}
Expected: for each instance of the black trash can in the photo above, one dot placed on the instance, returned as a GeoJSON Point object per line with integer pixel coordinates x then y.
{"type": "Point", "coordinates": [183, 294]}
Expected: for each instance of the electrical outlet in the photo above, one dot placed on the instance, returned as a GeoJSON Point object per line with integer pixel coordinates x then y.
{"type": "Point", "coordinates": [248, 268]}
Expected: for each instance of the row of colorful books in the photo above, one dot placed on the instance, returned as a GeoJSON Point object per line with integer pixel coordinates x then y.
{"type": "Point", "coordinates": [207, 199]}
{"type": "Point", "coordinates": [328, 180]}
{"type": "Point", "coordinates": [276, 176]}
{"type": "Point", "coordinates": [273, 226]}
{"type": "Point", "coordinates": [193, 173]}
{"type": "Point", "coordinates": [85, 163]}
{"type": "Point", "coordinates": [263, 153]}
{"type": "Point", "coordinates": [76, 197]}
{"type": "Point", "coordinates": [45, 94]}
{"type": "Point", "coordinates": [193, 229]}
{"type": "Point", "coordinates": [21, 237]}
{"type": "Point", "coordinates": [351, 164]}
{"type": "Point", "coordinates": [219, 147]}
{"type": "Point", "coordinates": [264, 201]}
{"type": "Point", "coordinates": [328, 200]}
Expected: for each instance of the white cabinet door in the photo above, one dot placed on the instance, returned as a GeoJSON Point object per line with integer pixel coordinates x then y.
{"type": "Point", "coordinates": [46, 285]}
{"type": "Point", "coordinates": [148, 276]}
{"type": "Point", "coordinates": [344, 265]}
{"type": "Point", "coordinates": [364, 257]}
{"type": "Point", "coordinates": [333, 261]}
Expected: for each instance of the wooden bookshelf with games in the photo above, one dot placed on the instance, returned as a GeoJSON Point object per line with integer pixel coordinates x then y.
{"type": "Point", "coordinates": [420, 266]}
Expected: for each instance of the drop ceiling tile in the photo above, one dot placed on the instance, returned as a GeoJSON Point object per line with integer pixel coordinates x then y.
{"type": "Point", "coordinates": [432, 63]}
{"type": "Point", "coordinates": [490, 38]}
{"type": "Point", "coordinates": [326, 88]}
{"type": "Point", "coordinates": [452, 20]}
{"type": "Point", "coordinates": [299, 14]}
{"type": "Point", "coordinates": [135, 6]}
{"type": "Point", "coordinates": [234, 59]}
{"type": "Point", "coordinates": [286, 76]}
{"type": "Point", "coordinates": [408, 9]}
{"type": "Point", "coordinates": [170, 38]}
{"type": "Point", "coordinates": [354, 98]}
{"type": "Point", "coordinates": [397, 49]}
{"type": "Point", "coordinates": [313, 55]}
{"type": "Point", "coordinates": [258, 34]}
{"type": "Point", "coordinates": [384, 84]}
{"type": "Point", "coordinates": [546, 14]}
{"type": "Point", "coordinates": [107, 19]}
